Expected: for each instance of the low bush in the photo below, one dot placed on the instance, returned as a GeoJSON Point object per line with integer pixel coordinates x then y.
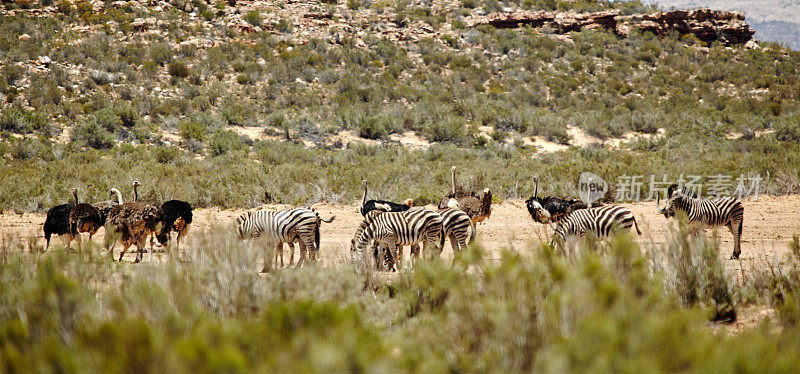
{"type": "Point", "coordinates": [178, 69]}
{"type": "Point", "coordinates": [92, 134]}
{"type": "Point", "coordinates": [192, 130]}
{"type": "Point", "coordinates": [224, 141]}
{"type": "Point", "coordinates": [253, 17]}
{"type": "Point", "coordinates": [208, 308]}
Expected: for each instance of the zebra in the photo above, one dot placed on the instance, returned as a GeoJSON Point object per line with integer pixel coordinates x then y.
{"type": "Point", "coordinates": [723, 211]}
{"type": "Point", "coordinates": [390, 229]}
{"type": "Point", "coordinates": [284, 226]}
{"type": "Point", "coordinates": [455, 226]}
{"type": "Point", "coordinates": [599, 220]}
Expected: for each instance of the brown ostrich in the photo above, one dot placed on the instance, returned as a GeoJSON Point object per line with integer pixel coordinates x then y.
{"type": "Point", "coordinates": [83, 218]}
{"type": "Point", "coordinates": [134, 222]}
{"type": "Point", "coordinates": [479, 208]}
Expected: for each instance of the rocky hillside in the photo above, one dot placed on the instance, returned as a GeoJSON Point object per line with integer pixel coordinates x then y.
{"type": "Point", "coordinates": [200, 75]}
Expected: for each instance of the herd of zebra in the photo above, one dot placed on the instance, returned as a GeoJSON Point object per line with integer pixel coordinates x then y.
{"type": "Point", "coordinates": [389, 226]}
{"type": "Point", "coordinates": [386, 227]}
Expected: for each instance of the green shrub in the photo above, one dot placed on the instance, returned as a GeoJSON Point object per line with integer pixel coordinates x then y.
{"type": "Point", "coordinates": [65, 7]}
{"type": "Point", "coordinates": [451, 130]}
{"type": "Point", "coordinates": [178, 69]}
{"type": "Point", "coordinates": [253, 17]}
{"type": "Point", "coordinates": [12, 73]}
{"type": "Point", "coordinates": [161, 53]}
{"type": "Point", "coordinates": [284, 26]}
{"type": "Point", "coordinates": [166, 154]}
{"type": "Point", "coordinates": [788, 129]}
{"type": "Point", "coordinates": [242, 79]}
{"type": "Point", "coordinates": [192, 130]}
{"type": "Point", "coordinates": [605, 309]}
{"type": "Point", "coordinates": [224, 141]}
{"type": "Point", "coordinates": [373, 128]}
{"type": "Point", "coordinates": [92, 134]}
{"type": "Point", "coordinates": [23, 122]}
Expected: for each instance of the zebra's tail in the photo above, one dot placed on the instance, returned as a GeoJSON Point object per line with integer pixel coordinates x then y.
{"type": "Point", "coordinates": [316, 237]}
{"type": "Point", "coordinates": [473, 234]}
{"type": "Point", "coordinates": [636, 225]}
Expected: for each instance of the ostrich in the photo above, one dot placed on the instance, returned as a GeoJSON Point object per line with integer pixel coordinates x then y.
{"type": "Point", "coordinates": [386, 206]}
{"type": "Point", "coordinates": [57, 222]}
{"type": "Point", "coordinates": [136, 185]}
{"type": "Point", "coordinates": [83, 218]}
{"type": "Point", "coordinates": [134, 222]}
{"type": "Point", "coordinates": [550, 209]}
{"type": "Point", "coordinates": [177, 216]}
{"type": "Point", "coordinates": [479, 208]}
{"type": "Point", "coordinates": [105, 206]}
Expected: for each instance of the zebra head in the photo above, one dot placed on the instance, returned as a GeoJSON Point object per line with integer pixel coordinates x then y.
{"type": "Point", "coordinates": [244, 228]}
{"type": "Point", "coordinates": [674, 193]}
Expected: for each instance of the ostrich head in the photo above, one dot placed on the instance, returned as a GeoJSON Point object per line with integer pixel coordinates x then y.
{"type": "Point", "coordinates": [115, 194]}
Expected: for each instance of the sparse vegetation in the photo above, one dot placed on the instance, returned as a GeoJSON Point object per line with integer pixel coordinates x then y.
{"type": "Point", "coordinates": [604, 310]}
{"type": "Point", "coordinates": [99, 93]}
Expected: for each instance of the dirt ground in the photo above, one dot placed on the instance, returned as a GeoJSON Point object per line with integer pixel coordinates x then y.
{"type": "Point", "coordinates": [769, 225]}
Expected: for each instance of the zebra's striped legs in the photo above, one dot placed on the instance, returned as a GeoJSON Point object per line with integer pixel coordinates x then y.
{"type": "Point", "coordinates": [291, 252]}
{"type": "Point", "coordinates": [736, 231]}
{"type": "Point", "coordinates": [268, 257]}
{"type": "Point", "coordinates": [414, 253]}
{"type": "Point", "coordinates": [306, 249]}
{"type": "Point", "coordinates": [279, 252]}
{"type": "Point", "coordinates": [390, 242]}
{"type": "Point", "coordinates": [399, 251]}
{"type": "Point", "coordinates": [302, 254]}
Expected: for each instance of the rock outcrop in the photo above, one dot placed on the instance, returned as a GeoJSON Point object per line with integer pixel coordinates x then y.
{"type": "Point", "coordinates": [707, 25]}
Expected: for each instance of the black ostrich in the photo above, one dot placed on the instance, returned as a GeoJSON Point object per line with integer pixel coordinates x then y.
{"type": "Point", "coordinates": [553, 209]}
{"type": "Point", "coordinates": [83, 218]}
{"type": "Point", "coordinates": [57, 222]}
{"type": "Point", "coordinates": [177, 216]}
{"type": "Point", "coordinates": [385, 206]}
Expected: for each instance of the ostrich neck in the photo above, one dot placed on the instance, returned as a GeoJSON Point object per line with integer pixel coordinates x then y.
{"type": "Point", "coordinates": [453, 181]}
{"type": "Point", "coordinates": [135, 193]}
{"type": "Point", "coordinates": [75, 195]}
{"type": "Point", "coordinates": [119, 196]}
{"type": "Point", "coordinates": [364, 197]}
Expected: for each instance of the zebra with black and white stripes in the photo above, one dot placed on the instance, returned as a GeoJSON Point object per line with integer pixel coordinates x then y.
{"type": "Point", "coordinates": [284, 226]}
{"type": "Point", "coordinates": [393, 229]}
{"type": "Point", "coordinates": [600, 221]}
{"type": "Point", "coordinates": [723, 211]}
{"type": "Point", "coordinates": [456, 225]}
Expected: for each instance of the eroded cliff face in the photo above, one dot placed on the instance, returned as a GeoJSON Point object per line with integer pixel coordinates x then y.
{"type": "Point", "coordinates": [707, 25]}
